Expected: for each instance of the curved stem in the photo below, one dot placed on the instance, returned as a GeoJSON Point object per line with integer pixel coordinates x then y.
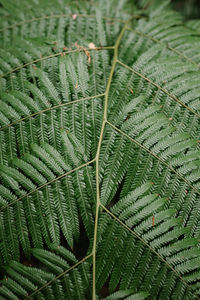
{"type": "Point", "coordinates": [98, 203]}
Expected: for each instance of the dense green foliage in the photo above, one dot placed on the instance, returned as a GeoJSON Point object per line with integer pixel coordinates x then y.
{"type": "Point", "coordinates": [189, 8]}
{"type": "Point", "coordinates": [99, 151]}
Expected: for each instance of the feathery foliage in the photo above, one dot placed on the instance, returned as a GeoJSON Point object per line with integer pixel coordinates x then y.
{"type": "Point", "coordinates": [99, 151]}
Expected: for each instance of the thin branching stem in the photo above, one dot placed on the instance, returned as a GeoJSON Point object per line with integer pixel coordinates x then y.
{"type": "Point", "coordinates": [159, 87]}
{"type": "Point", "coordinates": [99, 148]}
{"type": "Point", "coordinates": [145, 243]}
{"type": "Point", "coordinates": [58, 16]}
{"type": "Point", "coordinates": [54, 55]}
{"type": "Point", "coordinates": [166, 45]}
{"type": "Point", "coordinates": [59, 276]}
{"type": "Point", "coordinates": [156, 156]}
{"type": "Point", "coordinates": [47, 183]}
{"type": "Point", "coordinates": [51, 108]}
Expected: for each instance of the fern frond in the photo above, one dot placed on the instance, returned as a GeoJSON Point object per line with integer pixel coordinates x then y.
{"type": "Point", "coordinates": [153, 234]}
{"type": "Point", "coordinates": [43, 173]}
{"type": "Point", "coordinates": [99, 151]}
{"type": "Point", "coordinates": [57, 280]}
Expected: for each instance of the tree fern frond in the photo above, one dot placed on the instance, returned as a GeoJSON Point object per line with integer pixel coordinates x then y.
{"type": "Point", "coordinates": [41, 173]}
{"type": "Point", "coordinates": [122, 294]}
{"type": "Point", "coordinates": [99, 151]}
{"type": "Point", "coordinates": [45, 283]}
{"type": "Point", "coordinates": [57, 111]}
{"type": "Point", "coordinates": [156, 243]}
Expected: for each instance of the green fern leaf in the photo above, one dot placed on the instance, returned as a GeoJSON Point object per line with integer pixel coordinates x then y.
{"type": "Point", "coordinates": [99, 151]}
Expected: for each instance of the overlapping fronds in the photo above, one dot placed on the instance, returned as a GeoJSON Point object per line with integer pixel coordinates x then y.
{"type": "Point", "coordinates": [99, 151]}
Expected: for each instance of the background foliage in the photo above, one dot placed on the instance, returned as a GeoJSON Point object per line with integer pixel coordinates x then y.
{"type": "Point", "coordinates": [99, 150]}
{"type": "Point", "coordinates": [190, 9]}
